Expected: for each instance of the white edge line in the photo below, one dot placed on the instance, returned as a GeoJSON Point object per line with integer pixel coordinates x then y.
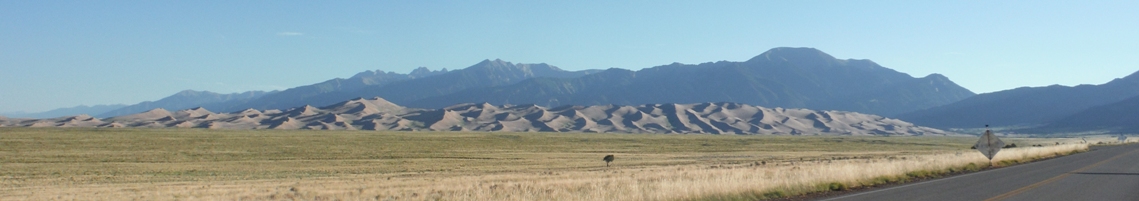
{"type": "Point", "coordinates": [907, 185]}
{"type": "Point", "coordinates": [919, 183]}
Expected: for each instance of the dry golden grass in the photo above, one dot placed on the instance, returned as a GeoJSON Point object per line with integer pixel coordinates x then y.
{"type": "Point", "coordinates": [179, 164]}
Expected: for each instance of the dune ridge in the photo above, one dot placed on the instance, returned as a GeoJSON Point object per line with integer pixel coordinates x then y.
{"type": "Point", "coordinates": [379, 114]}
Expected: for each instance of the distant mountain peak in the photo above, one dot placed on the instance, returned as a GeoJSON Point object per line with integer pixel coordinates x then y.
{"type": "Point", "coordinates": [936, 76]}
{"type": "Point", "coordinates": [792, 54]}
{"type": "Point", "coordinates": [496, 63]}
{"type": "Point", "coordinates": [420, 70]}
{"type": "Point", "coordinates": [424, 72]}
{"type": "Point", "coordinates": [189, 92]}
{"type": "Point", "coordinates": [528, 70]}
{"type": "Point", "coordinates": [795, 49]}
{"type": "Point", "coordinates": [1134, 77]}
{"type": "Point", "coordinates": [368, 72]}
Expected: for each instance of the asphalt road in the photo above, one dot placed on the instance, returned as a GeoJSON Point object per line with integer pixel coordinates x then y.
{"type": "Point", "coordinates": [1104, 173]}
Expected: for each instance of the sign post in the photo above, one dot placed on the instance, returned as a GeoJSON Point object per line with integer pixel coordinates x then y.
{"type": "Point", "coordinates": [989, 144]}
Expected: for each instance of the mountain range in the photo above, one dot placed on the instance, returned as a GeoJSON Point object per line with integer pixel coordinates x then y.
{"type": "Point", "coordinates": [379, 114]}
{"type": "Point", "coordinates": [1117, 117]}
{"type": "Point", "coordinates": [780, 77]}
{"type": "Point", "coordinates": [777, 78]}
{"type": "Point", "coordinates": [487, 73]}
{"type": "Point", "coordinates": [188, 99]}
{"type": "Point", "coordinates": [70, 111]}
{"type": "Point", "coordinates": [1028, 107]}
{"type": "Point", "coordinates": [313, 94]}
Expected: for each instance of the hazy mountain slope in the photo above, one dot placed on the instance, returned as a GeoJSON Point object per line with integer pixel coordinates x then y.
{"type": "Point", "coordinates": [487, 73]}
{"type": "Point", "coordinates": [1025, 106]}
{"type": "Point", "coordinates": [624, 87]}
{"type": "Point", "coordinates": [922, 93]}
{"type": "Point", "coordinates": [311, 94]}
{"type": "Point", "coordinates": [185, 99]}
{"type": "Point", "coordinates": [781, 77]}
{"type": "Point", "coordinates": [366, 84]}
{"type": "Point", "coordinates": [70, 111]}
{"type": "Point", "coordinates": [1118, 117]}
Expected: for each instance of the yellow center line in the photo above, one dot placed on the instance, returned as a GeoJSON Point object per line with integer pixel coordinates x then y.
{"type": "Point", "coordinates": [1053, 179]}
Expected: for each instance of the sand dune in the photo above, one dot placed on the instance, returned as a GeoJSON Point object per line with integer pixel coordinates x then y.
{"type": "Point", "coordinates": [192, 113]}
{"type": "Point", "coordinates": [112, 125]}
{"type": "Point", "coordinates": [82, 120]}
{"type": "Point", "coordinates": [148, 116]}
{"type": "Point", "coordinates": [379, 114]}
{"type": "Point", "coordinates": [364, 107]}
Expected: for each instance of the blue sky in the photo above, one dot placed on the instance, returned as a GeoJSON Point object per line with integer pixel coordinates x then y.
{"type": "Point", "coordinates": [65, 53]}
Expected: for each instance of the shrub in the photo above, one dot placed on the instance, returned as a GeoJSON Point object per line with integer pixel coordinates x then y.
{"type": "Point", "coordinates": [972, 167]}
{"type": "Point", "coordinates": [775, 194]}
{"type": "Point", "coordinates": [835, 186]}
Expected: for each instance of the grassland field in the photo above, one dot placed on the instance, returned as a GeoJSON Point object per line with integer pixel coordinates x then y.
{"type": "Point", "coordinates": [194, 164]}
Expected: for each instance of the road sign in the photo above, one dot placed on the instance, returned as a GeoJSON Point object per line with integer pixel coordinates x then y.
{"type": "Point", "coordinates": [989, 145]}
{"type": "Point", "coordinates": [1122, 138]}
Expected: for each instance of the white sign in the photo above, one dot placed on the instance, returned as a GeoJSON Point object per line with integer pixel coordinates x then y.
{"type": "Point", "coordinates": [1122, 138]}
{"type": "Point", "coordinates": [989, 144]}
